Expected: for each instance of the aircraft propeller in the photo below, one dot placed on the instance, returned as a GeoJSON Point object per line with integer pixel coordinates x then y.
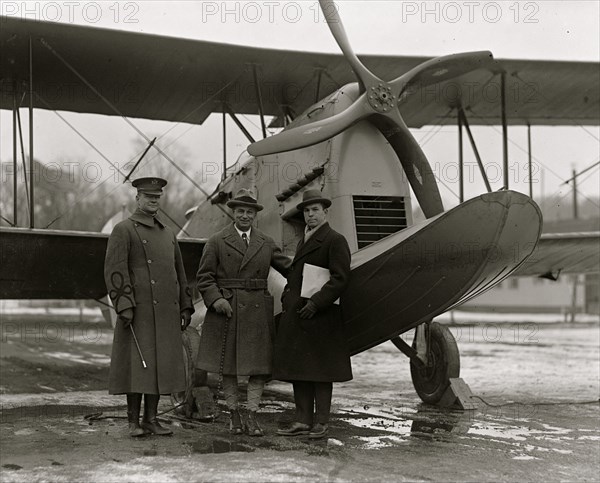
{"type": "Point", "coordinates": [378, 101]}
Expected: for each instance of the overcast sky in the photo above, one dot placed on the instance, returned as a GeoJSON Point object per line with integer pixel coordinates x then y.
{"type": "Point", "coordinates": [560, 30]}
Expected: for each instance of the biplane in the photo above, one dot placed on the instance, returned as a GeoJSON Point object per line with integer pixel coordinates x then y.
{"type": "Point", "coordinates": [349, 138]}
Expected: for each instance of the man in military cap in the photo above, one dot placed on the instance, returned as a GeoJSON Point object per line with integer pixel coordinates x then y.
{"type": "Point", "coordinates": [236, 338]}
{"type": "Point", "coordinates": [146, 282]}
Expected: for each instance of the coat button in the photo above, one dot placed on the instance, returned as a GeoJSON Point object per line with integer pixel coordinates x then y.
{"type": "Point", "coordinates": [152, 282]}
{"type": "Point", "coordinates": [149, 261]}
{"type": "Point", "coordinates": [144, 241]}
{"type": "Point", "coordinates": [155, 302]}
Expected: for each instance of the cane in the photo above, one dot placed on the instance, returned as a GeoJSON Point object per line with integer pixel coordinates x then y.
{"type": "Point", "coordinates": [138, 346]}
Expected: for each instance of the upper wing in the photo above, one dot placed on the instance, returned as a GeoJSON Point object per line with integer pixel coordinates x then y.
{"type": "Point", "coordinates": [102, 71]}
{"type": "Point", "coordinates": [558, 253]}
{"type": "Point", "coordinates": [53, 264]}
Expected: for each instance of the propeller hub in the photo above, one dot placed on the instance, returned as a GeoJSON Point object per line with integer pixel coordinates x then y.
{"type": "Point", "coordinates": [381, 98]}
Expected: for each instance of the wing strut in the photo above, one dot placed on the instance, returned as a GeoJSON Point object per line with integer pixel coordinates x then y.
{"type": "Point", "coordinates": [464, 122]}
{"type": "Point", "coordinates": [504, 128]}
{"type": "Point", "coordinates": [15, 204]}
{"type": "Point", "coordinates": [31, 203]}
{"type": "Point", "coordinates": [139, 161]}
{"type": "Point", "coordinates": [238, 123]}
{"type": "Point", "coordinates": [260, 103]}
{"type": "Point", "coordinates": [23, 161]}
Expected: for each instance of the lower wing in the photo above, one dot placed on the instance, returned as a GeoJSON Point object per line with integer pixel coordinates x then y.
{"type": "Point", "coordinates": [56, 264]}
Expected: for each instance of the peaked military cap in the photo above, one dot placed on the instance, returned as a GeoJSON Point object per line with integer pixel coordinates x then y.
{"type": "Point", "coordinates": [150, 186]}
{"type": "Point", "coordinates": [244, 197]}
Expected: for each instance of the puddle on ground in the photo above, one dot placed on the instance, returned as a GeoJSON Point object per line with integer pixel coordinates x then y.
{"type": "Point", "coordinates": [402, 424]}
{"type": "Point", "coordinates": [221, 446]}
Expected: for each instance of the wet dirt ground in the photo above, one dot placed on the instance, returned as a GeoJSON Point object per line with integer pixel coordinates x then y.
{"type": "Point", "coordinates": [536, 387]}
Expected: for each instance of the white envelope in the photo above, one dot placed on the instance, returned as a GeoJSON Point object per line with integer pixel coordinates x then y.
{"type": "Point", "coordinates": [313, 278]}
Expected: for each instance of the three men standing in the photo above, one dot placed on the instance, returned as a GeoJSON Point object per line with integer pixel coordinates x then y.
{"type": "Point", "coordinates": [238, 330]}
{"type": "Point", "coordinates": [310, 348]}
{"type": "Point", "coordinates": [146, 282]}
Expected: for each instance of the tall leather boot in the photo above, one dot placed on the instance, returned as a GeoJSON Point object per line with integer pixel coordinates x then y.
{"type": "Point", "coordinates": [134, 401]}
{"type": "Point", "coordinates": [150, 423]}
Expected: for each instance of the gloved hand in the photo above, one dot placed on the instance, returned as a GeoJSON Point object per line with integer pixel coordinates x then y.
{"type": "Point", "coordinates": [126, 317]}
{"type": "Point", "coordinates": [221, 306]}
{"type": "Point", "coordinates": [308, 311]}
{"type": "Point", "coordinates": [186, 318]}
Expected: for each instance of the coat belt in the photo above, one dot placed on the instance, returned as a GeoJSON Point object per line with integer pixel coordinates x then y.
{"type": "Point", "coordinates": [243, 283]}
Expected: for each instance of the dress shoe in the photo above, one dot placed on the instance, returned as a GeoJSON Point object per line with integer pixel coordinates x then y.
{"type": "Point", "coordinates": [154, 427]}
{"type": "Point", "coordinates": [318, 431]}
{"type": "Point", "coordinates": [252, 427]}
{"type": "Point", "coordinates": [236, 426]}
{"type": "Point", "coordinates": [296, 429]}
{"type": "Point", "coordinates": [135, 430]}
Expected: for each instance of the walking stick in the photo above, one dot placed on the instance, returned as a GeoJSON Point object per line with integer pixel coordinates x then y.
{"type": "Point", "coordinates": [138, 346]}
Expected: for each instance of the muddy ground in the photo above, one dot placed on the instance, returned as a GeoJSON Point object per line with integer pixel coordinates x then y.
{"type": "Point", "coordinates": [537, 416]}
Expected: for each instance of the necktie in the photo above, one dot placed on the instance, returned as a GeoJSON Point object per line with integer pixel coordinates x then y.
{"type": "Point", "coordinates": [245, 238]}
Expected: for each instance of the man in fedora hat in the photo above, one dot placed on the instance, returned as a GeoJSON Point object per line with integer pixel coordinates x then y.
{"type": "Point", "coordinates": [236, 338]}
{"type": "Point", "coordinates": [146, 282]}
{"type": "Point", "coordinates": [310, 347]}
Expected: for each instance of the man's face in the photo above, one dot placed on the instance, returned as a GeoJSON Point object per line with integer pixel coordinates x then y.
{"type": "Point", "coordinates": [243, 217]}
{"type": "Point", "coordinates": [148, 203]}
{"type": "Point", "coordinates": [314, 214]}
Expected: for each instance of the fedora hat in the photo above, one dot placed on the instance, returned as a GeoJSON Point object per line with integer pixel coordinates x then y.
{"type": "Point", "coordinates": [244, 197]}
{"type": "Point", "coordinates": [313, 196]}
{"type": "Point", "coordinates": [151, 185]}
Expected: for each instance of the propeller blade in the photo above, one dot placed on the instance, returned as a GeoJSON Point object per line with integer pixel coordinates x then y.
{"type": "Point", "coordinates": [314, 132]}
{"type": "Point", "coordinates": [413, 160]}
{"type": "Point", "coordinates": [336, 27]}
{"type": "Point", "coordinates": [440, 69]}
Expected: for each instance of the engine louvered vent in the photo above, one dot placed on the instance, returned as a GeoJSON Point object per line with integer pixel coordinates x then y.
{"type": "Point", "coordinates": [377, 217]}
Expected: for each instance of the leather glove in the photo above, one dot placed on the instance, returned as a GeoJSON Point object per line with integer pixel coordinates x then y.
{"type": "Point", "coordinates": [308, 311]}
{"type": "Point", "coordinates": [126, 317]}
{"type": "Point", "coordinates": [221, 306]}
{"type": "Point", "coordinates": [186, 319]}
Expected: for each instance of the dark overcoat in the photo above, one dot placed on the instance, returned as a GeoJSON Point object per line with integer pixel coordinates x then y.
{"type": "Point", "coordinates": [144, 270]}
{"type": "Point", "coordinates": [250, 331]}
{"type": "Point", "coordinates": [315, 349]}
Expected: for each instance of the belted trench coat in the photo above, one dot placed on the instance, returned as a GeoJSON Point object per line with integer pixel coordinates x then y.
{"type": "Point", "coordinates": [225, 267]}
{"type": "Point", "coordinates": [143, 270]}
{"type": "Point", "coordinates": [315, 349]}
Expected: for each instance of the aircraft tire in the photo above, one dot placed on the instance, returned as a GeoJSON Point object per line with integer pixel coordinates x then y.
{"type": "Point", "coordinates": [431, 381]}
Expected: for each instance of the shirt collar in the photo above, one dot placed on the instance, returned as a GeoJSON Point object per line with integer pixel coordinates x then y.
{"type": "Point", "coordinates": [308, 233]}
{"type": "Point", "coordinates": [246, 232]}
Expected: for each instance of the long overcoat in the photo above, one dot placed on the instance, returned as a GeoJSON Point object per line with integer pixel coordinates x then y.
{"type": "Point", "coordinates": [315, 349]}
{"type": "Point", "coordinates": [250, 331]}
{"type": "Point", "coordinates": [144, 270]}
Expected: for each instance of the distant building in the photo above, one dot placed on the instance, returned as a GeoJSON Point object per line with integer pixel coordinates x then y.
{"type": "Point", "coordinates": [534, 294]}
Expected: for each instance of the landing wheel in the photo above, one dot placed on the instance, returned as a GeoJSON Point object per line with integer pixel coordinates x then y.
{"type": "Point", "coordinates": [443, 362]}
